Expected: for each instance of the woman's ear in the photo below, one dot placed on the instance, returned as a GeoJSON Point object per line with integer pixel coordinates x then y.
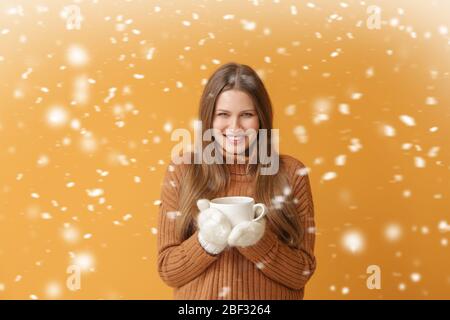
{"type": "Point", "coordinates": [203, 204]}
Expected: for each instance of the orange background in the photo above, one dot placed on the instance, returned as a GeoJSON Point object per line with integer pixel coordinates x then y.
{"type": "Point", "coordinates": [394, 180]}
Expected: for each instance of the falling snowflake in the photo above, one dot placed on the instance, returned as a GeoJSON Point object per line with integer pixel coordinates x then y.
{"type": "Point", "coordinates": [290, 110]}
{"type": "Point", "coordinates": [356, 95]}
{"type": "Point", "coordinates": [443, 226]}
{"type": "Point", "coordinates": [408, 120]}
{"type": "Point", "coordinates": [431, 101]}
{"type": "Point", "coordinates": [294, 10]}
{"type": "Point", "coordinates": [340, 160]}
{"type": "Point", "coordinates": [301, 134]}
{"type": "Point", "coordinates": [96, 192]}
{"type": "Point", "coordinates": [330, 175]}
{"type": "Point", "coordinates": [57, 116]}
{"type": "Point", "coordinates": [248, 25]}
{"type": "Point", "coordinates": [278, 201]}
{"type": "Point", "coordinates": [46, 216]}
{"type": "Point", "coordinates": [77, 56]}
{"type": "Point", "coordinates": [149, 54]}
{"type": "Point", "coordinates": [173, 214]}
{"type": "Point", "coordinates": [393, 232]}
{"type": "Point", "coordinates": [224, 292]}
{"type": "Point", "coordinates": [389, 131]}
{"type": "Point", "coordinates": [287, 191]}
{"type": "Point", "coordinates": [407, 193]}
{"type": "Point", "coordinates": [353, 241]}
{"type": "Point", "coordinates": [168, 127]}
{"type": "Point", "coordinates": [334, 54]}
{"type": "Point", "coordinates": [419, 162]}
{"type": "Point", "coordinates": [43, 161]}
{"type": "Point", "coordinates": [433, 152]}
{"type": "Point", "coordinates": [415, 277]}
{"type": "Point", "coordinates": [443, 30]}
{"type": "Point", "coordinates": [344, 108]}
{"type": "Point", "coordinates": [84, 260]}
{"type": "Point", "coordinates": [370, 72]}
{"type": "Point", "coordinates": [127, 217]}
{"type": "Point", "coordinates": [355, 145]}
{"type": "Point", "coordinates": [53, 290]}
{"type": "Point", "coordinates": [70, 184]}
{"type": "Point", "coordinates": [303, 171]}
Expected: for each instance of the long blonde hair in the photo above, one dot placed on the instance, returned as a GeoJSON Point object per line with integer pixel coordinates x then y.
{"type": "Point", "coordinates": [206, 180]}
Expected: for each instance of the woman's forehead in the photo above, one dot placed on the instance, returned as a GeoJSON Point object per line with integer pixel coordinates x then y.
{"type": "Point", "coordinates": [234, 100]}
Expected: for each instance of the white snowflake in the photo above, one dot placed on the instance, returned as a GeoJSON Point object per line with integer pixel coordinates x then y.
{"type": "Point", "coordinates": [408, 120]}
{"type": "Point", "coordinates": [340, 160]}
{"type": "Point", "coordinates": [248, 25]}
{"type": "Point", "coordinates": [77, 56]}
{"type": "Point", "coordinates": [353, 241]}
{"type": "Point", "coordinates": [330, 175]}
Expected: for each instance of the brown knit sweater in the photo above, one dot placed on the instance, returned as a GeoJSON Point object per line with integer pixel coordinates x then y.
{"type": "Point", "coordinates": [270, 269]}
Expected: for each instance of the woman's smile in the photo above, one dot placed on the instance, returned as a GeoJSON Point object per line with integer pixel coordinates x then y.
{"type": "Point", "coordinates": [235, 139]}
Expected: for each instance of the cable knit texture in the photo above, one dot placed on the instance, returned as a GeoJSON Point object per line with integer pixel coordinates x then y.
{"type": "Point", "coordinates": [269, 269]}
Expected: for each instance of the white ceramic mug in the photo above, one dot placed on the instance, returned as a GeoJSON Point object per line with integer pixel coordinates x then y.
{"type": "Point", "coordinates": [239, 209]}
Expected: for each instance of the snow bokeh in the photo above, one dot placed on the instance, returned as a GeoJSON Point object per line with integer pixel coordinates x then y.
{"type": "Point", "coordinates": [92, 91]}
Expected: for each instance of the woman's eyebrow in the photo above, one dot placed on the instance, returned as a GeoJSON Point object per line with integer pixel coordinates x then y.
{"type": "Point", "coordinates": [240, 111]}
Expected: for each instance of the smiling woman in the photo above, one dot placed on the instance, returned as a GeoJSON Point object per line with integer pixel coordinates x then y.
{"type": "Point", "coordinates": [201, 254]}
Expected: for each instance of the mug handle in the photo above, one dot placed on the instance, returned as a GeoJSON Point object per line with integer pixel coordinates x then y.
{"type": "Point", "coordinates": [263, 211]}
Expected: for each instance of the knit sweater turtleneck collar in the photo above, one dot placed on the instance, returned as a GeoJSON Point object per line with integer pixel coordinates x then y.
{"type": "Point", "coordinates": [238, 169]}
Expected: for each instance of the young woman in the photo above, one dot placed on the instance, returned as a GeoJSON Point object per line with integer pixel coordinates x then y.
{"type": "Point", "coordinates": [199, 254]}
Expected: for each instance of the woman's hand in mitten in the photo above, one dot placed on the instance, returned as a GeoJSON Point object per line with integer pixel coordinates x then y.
{"type": "Point", "coordinates": [214, 228]}
{"type": "Point", "coordinates": [247, 233]}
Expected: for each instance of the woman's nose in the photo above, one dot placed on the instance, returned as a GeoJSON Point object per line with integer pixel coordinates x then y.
{"type": "Point", "coordinates": [234, 124]}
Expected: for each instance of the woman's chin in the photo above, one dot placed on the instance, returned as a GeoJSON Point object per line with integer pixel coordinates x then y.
{"type": "Point", "coordinates": [235, 153]}
{"type": "Point", "coordinates": [235, 147]}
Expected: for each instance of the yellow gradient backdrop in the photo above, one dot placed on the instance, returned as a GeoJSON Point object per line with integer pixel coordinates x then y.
{"type": "Point", "coordinates": [86, 115]}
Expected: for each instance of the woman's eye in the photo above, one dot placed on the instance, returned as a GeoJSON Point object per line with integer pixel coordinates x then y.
{"type": "Point", "coordinates": [247, 114]}
{"type": "Point", "coordinates": [222, 114]}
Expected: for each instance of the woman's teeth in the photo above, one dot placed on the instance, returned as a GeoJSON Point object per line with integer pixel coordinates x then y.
{"type": "Point", "coordinates": [235, 139]}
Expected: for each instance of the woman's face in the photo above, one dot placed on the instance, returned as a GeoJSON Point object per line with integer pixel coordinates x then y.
{"type": "Point", "coordinates": [234, 115]}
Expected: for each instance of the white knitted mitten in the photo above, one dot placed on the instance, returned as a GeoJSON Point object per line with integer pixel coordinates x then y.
{"type": "Point", "coordinates": [247, 233]}
{"type": "Point", "coordinates": [214, 228]}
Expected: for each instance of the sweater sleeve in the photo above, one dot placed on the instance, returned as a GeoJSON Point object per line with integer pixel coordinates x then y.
{"type": "Point", "coordinates": [276, 260]}
{"type": "Point", "coordinates": [179, 262]}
